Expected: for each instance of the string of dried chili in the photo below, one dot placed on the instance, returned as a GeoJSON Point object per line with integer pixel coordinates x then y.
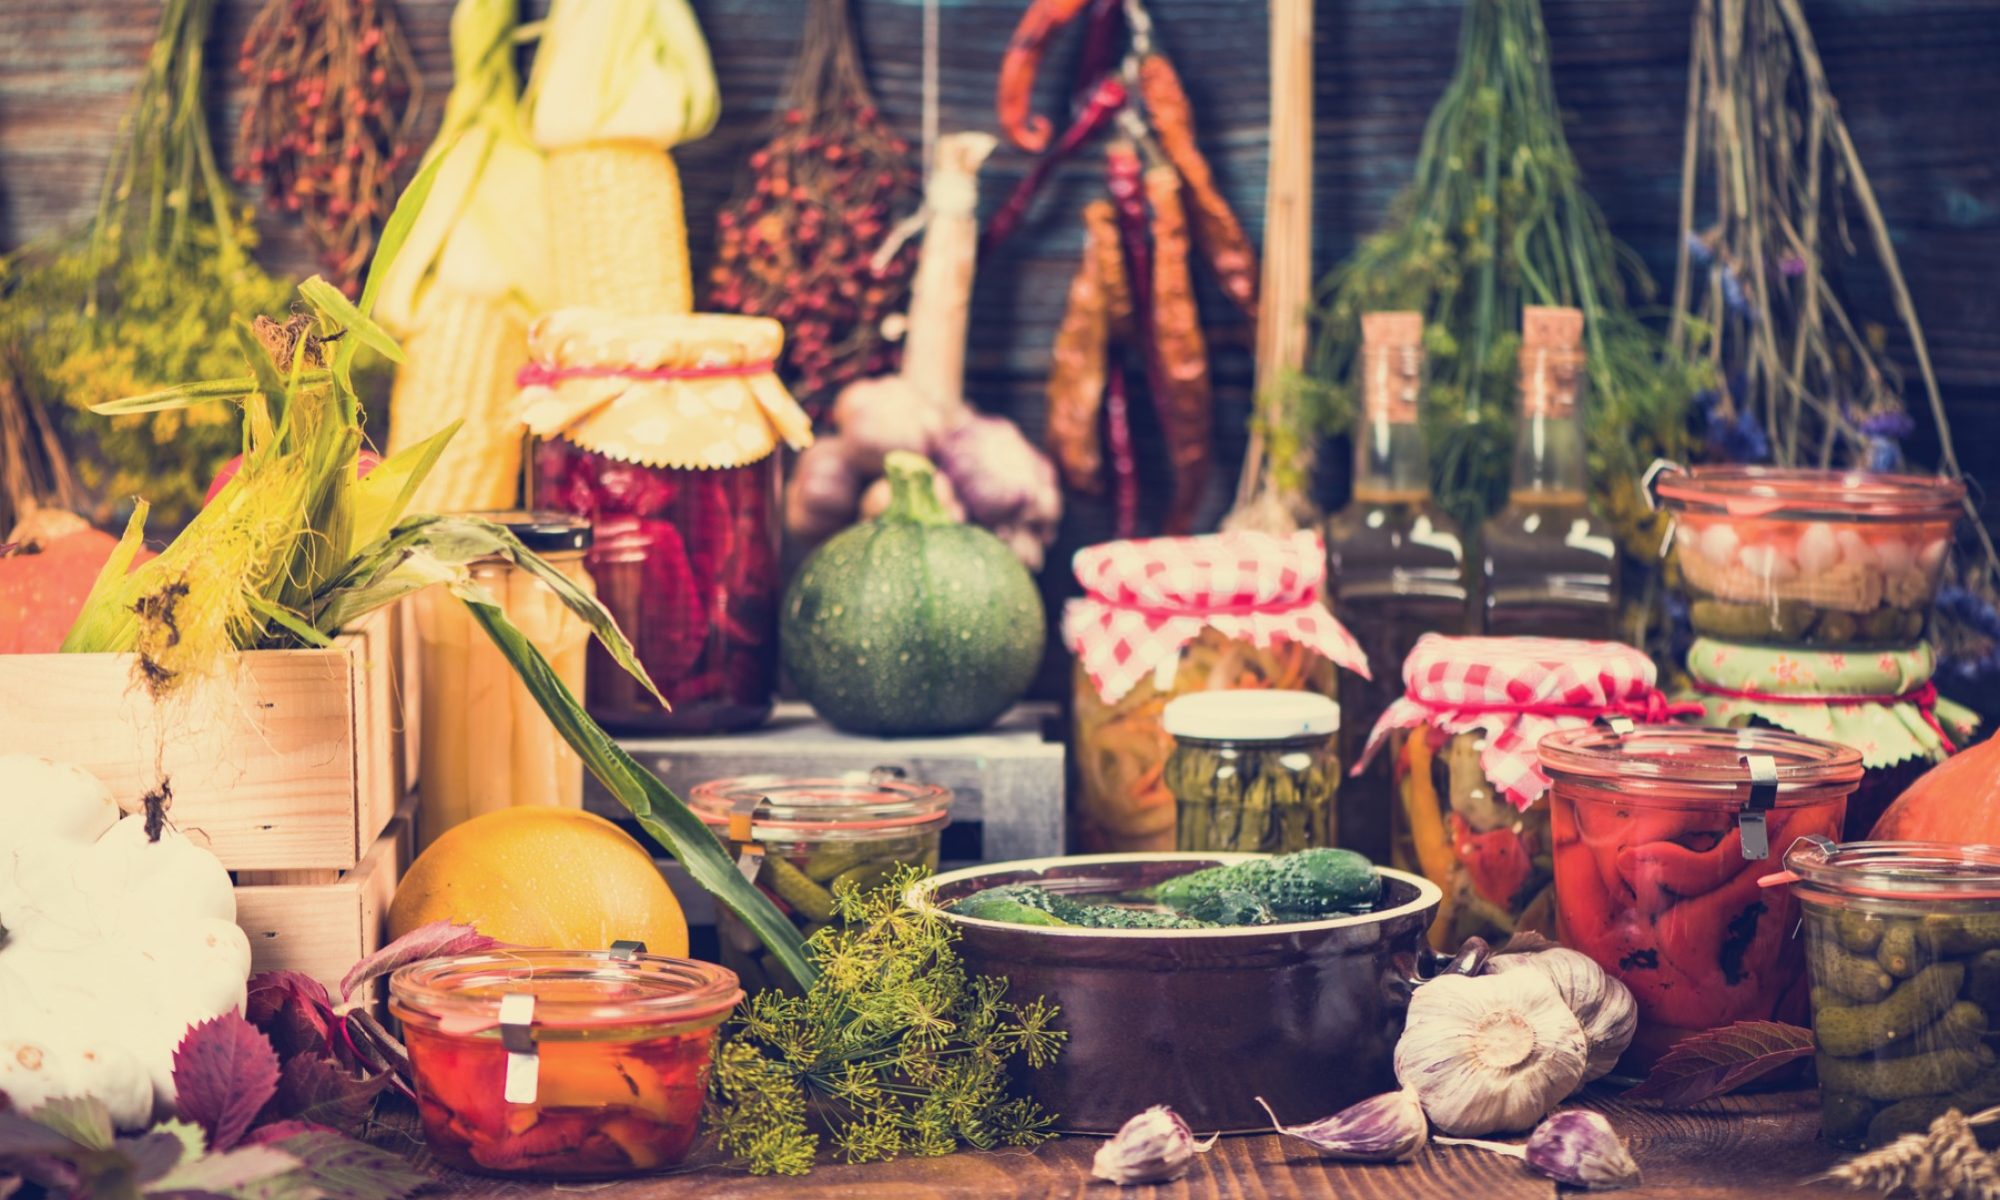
{"type": "Point", "coordinates": [1182, 392]}
{"type": "Point", "coordinates": [1216, 227]}
{"type": "Point", "coordinates": [1100, 220]}
{"type": "Point", "coordinates": [1105, 101]}
{"type": "Point", "coordinates": [1103, 34]}
{"type": "Point", "coordinates": [1078, 365]}
{"type": "Point", "coordinates": [1019, 66]}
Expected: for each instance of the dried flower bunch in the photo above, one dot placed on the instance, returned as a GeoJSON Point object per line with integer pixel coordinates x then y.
{"type": "Point", "coordinates": [1943, 1163]}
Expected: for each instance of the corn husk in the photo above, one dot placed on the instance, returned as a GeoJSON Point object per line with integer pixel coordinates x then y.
{"type": "Point", "coordinates": [622, 70]}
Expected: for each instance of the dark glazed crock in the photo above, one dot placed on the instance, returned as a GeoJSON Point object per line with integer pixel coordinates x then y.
{"type": "Point", "coordinates": [1305, 1015]}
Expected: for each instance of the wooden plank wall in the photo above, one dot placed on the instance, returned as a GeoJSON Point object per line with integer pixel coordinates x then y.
{"type": "Point", "coordinates": [1915, 79]}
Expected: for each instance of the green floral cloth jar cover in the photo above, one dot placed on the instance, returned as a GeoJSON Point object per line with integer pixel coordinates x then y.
{"type": "Point", "coordinates": [1880, 702]}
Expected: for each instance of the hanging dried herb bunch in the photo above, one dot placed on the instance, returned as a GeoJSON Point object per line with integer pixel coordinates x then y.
{"type": "Point", "coordinates": [1496, 218]}
{"type": "Point", "coordinates": [797, 241]}
{"type": "Point", "coordinates": [141, 298]}
{"type": "Point", "coordinates": [334, 96]}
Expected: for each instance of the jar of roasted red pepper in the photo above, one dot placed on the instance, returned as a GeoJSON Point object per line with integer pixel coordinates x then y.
{"type": "Point", "coordinates": [808, 838]}
{"type": "Point", "coordinates": [1661, 836]}
{"type": "Point", "coordinates": [664, 432]}
{"type": "Point", "coordinates": [1470, 810]}
{"type": "Point", "coordinates": [563, 1064]}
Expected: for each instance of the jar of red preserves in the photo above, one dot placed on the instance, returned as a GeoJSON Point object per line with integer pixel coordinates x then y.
{"type": "Point", "coordinates": [664, 432]}
{"type": "Point", "coordinates": [1661, 836]}
{"type": "Point", "coordinates": [561, 1064]}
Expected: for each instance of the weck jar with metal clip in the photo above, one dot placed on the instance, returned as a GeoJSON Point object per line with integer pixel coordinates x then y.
{"type": "Point", "coordinates": [1662, 836]}
{"type": "Point", "coordinates": [802, 839]}
{"type": "Point", "coordinates": [561, 1064]}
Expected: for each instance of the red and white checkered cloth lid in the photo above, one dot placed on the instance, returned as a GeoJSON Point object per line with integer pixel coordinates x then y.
{"type": "Point", "coordinates": [1145, 600]}
{"type": "Point", "coordinates": [1517, 690]}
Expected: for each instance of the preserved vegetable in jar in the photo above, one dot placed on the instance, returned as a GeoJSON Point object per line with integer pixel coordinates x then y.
{"type": "Point", "coordinates": [1903, 946]}
{"type": "Point", "coordinates": [664, 432]}
{"type": "Point", "coordinates": [1253, 771]}
{"type": "Point", "coordinates": [1470, 810]}
{"type": "Point", "coordinates": [1663, 836]}
{"type": "Point", "coordinates": [613, 1076]}
{"type": "Point", "coordinates": [811, 838]}
{"type": "Point", "coordinates": [1165, 617]}
{"type": "Point", "coordinates": [486, 744]}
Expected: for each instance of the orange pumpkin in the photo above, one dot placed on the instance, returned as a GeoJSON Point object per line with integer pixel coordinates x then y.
{"type": "Point", "coordinates": [1956, 801]}
{"type": "Point", "coordinates": [44, 580]}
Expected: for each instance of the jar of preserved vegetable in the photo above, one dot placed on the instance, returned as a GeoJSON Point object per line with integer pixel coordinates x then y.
{"type": "Point", "coordinates": [1253, 771]}
{"type": "Point", "coordinates": [1164, 617]}
{"type": "Point", "coordinates": [1880, 702]}
{"type": "Point", "coordinates": [664, 433]}
{"type": "Point", "coordinates": [1470, 809]}
{"type": "Point", "coordinates": [806, 838]}
{"type": "Point", "coordinates": [1662, 837]}
{"type": "Point", "coordinates": [485, 742]}
{"type": "Point", "coordinates": [563, 1064]}
{"type": "Point", "coordinates": [1902, 940]}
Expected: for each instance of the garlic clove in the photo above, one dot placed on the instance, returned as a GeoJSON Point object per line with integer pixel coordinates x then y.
{"type": "Point", "coordinates": [1490, 1053]}
{"type": "Point", "coordinates": [1603, 1005]}
{"type": "Point", "coordinates": [1386, 1128]}
{"type": "Point", "coordinates": [1582, 1149]}
{"type": "Point", "coordinates": [1154, 1147]}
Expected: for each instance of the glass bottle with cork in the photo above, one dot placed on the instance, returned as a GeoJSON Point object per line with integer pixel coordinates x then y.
{"type": "Point", "coordinates": [1550, 566]}
{"type": "Point", "coordinates": [1396, 562]}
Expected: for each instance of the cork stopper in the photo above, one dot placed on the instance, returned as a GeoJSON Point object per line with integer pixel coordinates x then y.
{"type": "Point", "coordinates": [1400, 328]}
{"type": "Point", "coordinates": [1551, 328]}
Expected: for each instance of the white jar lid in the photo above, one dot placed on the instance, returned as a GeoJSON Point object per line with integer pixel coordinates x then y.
{"type": "Point", "coordinates": [1250, 715]}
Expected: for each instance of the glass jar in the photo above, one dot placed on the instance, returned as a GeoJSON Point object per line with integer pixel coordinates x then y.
{"type": "Point", "coordinates": [1253, 771]}
{"type": "Point", "coordinates": [615, 1069]}
{"type": "Point", "coordinates": [1167, 617]}
{"type": "Point", "coordinates": [1798, 557]}
{"type": "Point", "coordinates": [1662, 835]}
{"type": "Point", "coordinates": [485, 743]}
{"type": "Point", "coordinates": [686, 563]}
{"type": "Point", "coordinates": [815, 836]}
{"type": "Point", "coordinates": [1903, 943]}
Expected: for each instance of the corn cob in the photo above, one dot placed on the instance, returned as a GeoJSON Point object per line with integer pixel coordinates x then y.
{"type": "Point", "coordinates": [620, 242]}
{"type": "Point", "coordinates": [460, 363]}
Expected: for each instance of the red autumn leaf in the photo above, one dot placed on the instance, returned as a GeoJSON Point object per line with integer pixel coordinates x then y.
{"type": "Point", "coordinates": [224, 1071]}
{"type": "Point", "coordinates": [315, 1089]}
{"type": "Point", "coordinates": [293, 1009]}
{"type": "Point", "coordinates": [435, 940]}
{"type": "Point", "coordinates": [1710, 1064]}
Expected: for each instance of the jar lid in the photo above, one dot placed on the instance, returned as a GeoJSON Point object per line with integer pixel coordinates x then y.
{"type": "Point", "coordinates": [572, 989]}
{"type": "Point", "coordinates": [1915, 871]}
{"type": "Point", "coordinates": [1670, 766]}
{"type": "Point", "coordinates": [1805, 493]}
{"type": "Point", "coordinates": [790, 808]}
{"type": "Point", "coordinates": [1250, 715]}
{"type": "Point", "coordinates": [543, 532]}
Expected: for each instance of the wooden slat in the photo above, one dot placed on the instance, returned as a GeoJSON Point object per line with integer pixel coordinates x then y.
{"type": "Point", "coordinates": [323, 927]}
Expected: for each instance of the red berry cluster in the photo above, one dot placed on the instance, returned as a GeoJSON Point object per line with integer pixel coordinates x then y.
{"type": "Point", "coordinates": [333, 101]}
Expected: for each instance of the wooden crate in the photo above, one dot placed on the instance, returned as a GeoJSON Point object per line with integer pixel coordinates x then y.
{"type": "Point", "coordinates": [299, 762]}
{"type": "Point", "coordinates": [323, 922]}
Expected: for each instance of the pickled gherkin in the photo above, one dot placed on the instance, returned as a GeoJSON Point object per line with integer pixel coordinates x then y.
{"type": "Point", "coordinates": [1253, 771]}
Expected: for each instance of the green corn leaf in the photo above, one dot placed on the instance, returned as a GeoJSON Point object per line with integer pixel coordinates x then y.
{"type": "Point", "coordinates": [658, 811]}
{"type": "Point", "coordinates": [284, 617]}
{"type": "Point", "coordinates": [336, 308]}
{"type": "Point", "coordinates": [396, 230]}
{"type": "Point", "coordinates": [382, 495]}
{"type": "Point", "coordinates": [186, 395]}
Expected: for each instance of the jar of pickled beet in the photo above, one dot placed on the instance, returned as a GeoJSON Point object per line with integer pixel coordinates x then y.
{"type": "Point", "coordinates": [1662, 835]}
{"type": "Point", "coordinates": [1903, 944]}
{"type": "Point", "coordinates": [811, 838]}
{"type": "Point", "coordinates": [1800, 557]}
{"type": "Point", "coordinates": [565, 1064]}
{"type": "Point", "coordinates": [665, 433]}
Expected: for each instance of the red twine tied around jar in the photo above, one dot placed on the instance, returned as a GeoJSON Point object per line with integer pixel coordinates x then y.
{"type": "Point", "coordinates": [537, 374]}
{"type": "Point", "coordinates": [1650, 708]}
{"type": "Point", "coordinates": [1923, 698]}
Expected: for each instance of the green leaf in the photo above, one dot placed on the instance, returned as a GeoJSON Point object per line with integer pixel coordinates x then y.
{"type": "Point", "coordinates": [194, 1142]}
{"type": "Point", "coordinates": [341, 311]}
{"type": "Point", "coordinates": [82, 1119]}
{"type": "Point", "coordinates": [290, 621]}
{"type": "Point", "coordinates": [658, 811]}
{"type": "Point", "coordinates": [186, 395]}
{"type": "Point", "coordinates": [226, 1172]}
{"type": "Point", "coordinates": [396, 230]}
{"type": "Point", "coordinates": [383, 494]}
{"type": "Point", "coordinates": [269, 382]}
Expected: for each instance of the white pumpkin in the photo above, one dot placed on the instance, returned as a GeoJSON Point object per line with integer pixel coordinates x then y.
{"type": "Point", "coordinates": [115, 944]}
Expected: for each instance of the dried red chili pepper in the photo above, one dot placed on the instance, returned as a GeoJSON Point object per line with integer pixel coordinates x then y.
{"type": "Point", "coordinates": [1220, 234]}
{"type": "Point", "coordinates": [1078, 362]}
{"type": "Point", "coordinates": [1124, 467]}
{"type": "Point", "coordinates": [1019, 65]}
{"type": "Point", "coordinates": [1103, 36]}
{"type": "Point", "coordinates": [1101, 234]}
{"type": "Point", "coordinates": [1105, 100]}
{"type": "Point", "coordinates": [1184, 397]}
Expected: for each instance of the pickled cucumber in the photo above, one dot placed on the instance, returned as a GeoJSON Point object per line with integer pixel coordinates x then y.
{"type": "Point", "coordinates": [1849, 977]}
{"type": "Point", "coordinates": [1860, 932]}
{"type": "Point", "coordinates": [1933, 1073]}
{"type": "Point", "coordinates": [1847, 1030]}
{"type": "Point", "coordinates": [1982, 980]}
{"type": "Point", "coordinates": [1903, 951]}
{"type": "Point", "coordinates": [1965, 933]}
{"type": "Point", "coordinates": [808, 899]}
{"type": "Point", "coordinates": [1845, 1118]}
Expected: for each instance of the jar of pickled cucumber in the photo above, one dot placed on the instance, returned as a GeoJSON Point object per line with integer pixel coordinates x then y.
{"type": "Point", "coordinates": [1902, 943]}
{"type": "Point", "coordinates": [1253, 771]}
{"type": "Point", "coordinates": [812, 837]}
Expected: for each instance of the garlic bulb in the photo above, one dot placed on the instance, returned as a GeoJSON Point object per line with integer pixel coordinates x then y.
{"type": "Point", "coordinates": [1603, 1005]}
{"type": "Point", "coordinates": [1154, 1147]}
{"type": "Point", "coordinates": [1491, 1053]}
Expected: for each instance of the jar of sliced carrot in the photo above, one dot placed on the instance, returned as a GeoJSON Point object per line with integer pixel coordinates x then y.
{"type": "Point", "coordinates": [1168, 617]}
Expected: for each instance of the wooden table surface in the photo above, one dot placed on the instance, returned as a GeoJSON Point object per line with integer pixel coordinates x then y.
{"type": "Point", "coordinates": [1749, 1146]}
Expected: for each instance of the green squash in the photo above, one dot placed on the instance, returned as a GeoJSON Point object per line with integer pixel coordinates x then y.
{"type": "Point", "coordinates": [912, 623]}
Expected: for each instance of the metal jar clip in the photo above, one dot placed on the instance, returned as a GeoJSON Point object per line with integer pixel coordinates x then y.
{"type": "Point", "coordinates": [742, 820]}
{"type": "Point", "coordinates": [1751, 819]}
{"type": "Point", "coordinates": [517, 1036]}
